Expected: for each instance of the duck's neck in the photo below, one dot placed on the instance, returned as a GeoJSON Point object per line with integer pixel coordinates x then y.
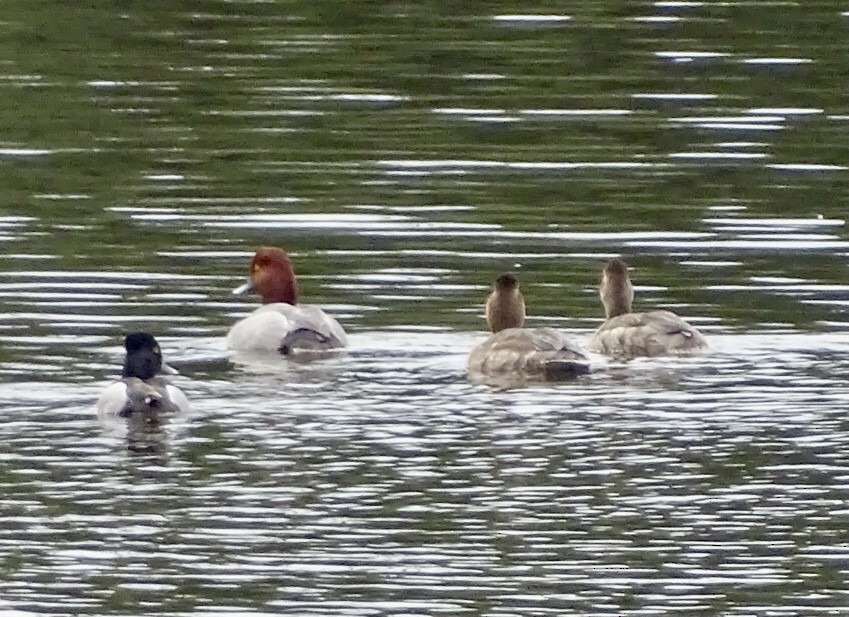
{"type": "Point", "coordinates": [505, 309]}
{"type": "Point", "coordinates": [616, 299]}
{"type": "Point", "coordinates": [280, 286]}
{"type": "Point", "coordinates": [143, 364]}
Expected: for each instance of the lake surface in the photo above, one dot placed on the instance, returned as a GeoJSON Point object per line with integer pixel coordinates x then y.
{"type": "Point", "coordinates": [406, 154]}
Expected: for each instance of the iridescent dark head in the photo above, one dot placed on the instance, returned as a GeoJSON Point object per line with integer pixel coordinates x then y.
{"type": "Point", "coordinates": [144, 358]}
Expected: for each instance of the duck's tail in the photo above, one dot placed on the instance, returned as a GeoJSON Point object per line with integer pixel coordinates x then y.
{"type": "Point", "coordinates": [564, 370]}
{"type": "Point", "coordinates": [304, 339]}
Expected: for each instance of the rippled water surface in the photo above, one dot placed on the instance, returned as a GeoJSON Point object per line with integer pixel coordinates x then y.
{"type": "Point", "coordinates": [406, 154]}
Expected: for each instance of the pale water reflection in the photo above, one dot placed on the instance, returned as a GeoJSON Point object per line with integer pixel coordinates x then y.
{"type": "Point", "coordinates": [382, 482]}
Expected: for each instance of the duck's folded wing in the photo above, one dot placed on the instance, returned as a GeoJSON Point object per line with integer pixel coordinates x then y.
{"type": "Point", "coordinates": [171, 397]}
{"type": "Point", "coordinates": [262, 330]}
{"type": "Point", "coordinates": [112, 400]}
{"type": "Point", "coordinates": [177, 398]}
{"type": "Point", "coordinates": [540, 353]}
{"type": "Point", "coordinates": [311, 317]}
{"type": "Point", "coordinates": [647, 334]}
{"type": "Point", "coordinates": [271, 327]}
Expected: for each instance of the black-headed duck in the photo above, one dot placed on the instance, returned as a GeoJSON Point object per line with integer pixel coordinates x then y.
{"type": "Point", "coordinates": [143, 393]}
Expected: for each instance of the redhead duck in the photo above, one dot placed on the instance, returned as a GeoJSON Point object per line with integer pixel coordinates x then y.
{"type": "Point", "coordinates": [512, 351]}
{"type": "Point", "coordinates": [142, 394]}
{"type": "Point", "coordinates": [281, 324]}
{"type": "Point", "coordinates": [627, 334]}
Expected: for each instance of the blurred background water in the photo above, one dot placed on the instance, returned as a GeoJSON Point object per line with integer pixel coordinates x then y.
{"type": "Point", "coordinates": [406, 154]}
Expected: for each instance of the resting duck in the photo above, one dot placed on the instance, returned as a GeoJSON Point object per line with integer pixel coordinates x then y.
{"type": "Point", "coordinates": [534, 354]}
{"type": "Point", "coordinates": [142, 394]}
{"type": "Point", "coordinates": [627, 334]}
{"type": "Point", "coordinates": [281, 324]}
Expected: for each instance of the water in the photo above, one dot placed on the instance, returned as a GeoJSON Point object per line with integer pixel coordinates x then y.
{"type": "Point", "coordinates": [406, 154]}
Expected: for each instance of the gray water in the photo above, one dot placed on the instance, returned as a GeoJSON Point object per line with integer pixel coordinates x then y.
{"type": "Point", "coordinates": [406, 154]}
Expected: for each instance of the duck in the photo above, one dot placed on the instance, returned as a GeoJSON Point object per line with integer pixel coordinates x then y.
{"type": "Point", "coordinates": [515, 352]}
{"type": "Point", "coordinates": [142, 394]}
{"type": "Point", "coordinates": [626, 334]}
{"type": "Point", "coordinates": [281, 324]}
